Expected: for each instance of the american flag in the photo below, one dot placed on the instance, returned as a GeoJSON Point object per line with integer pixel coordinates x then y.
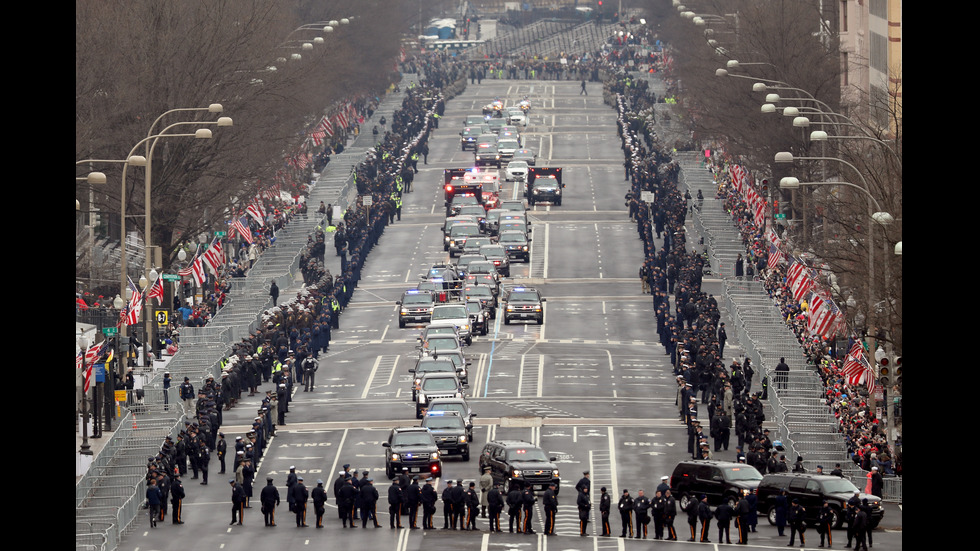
{"type": "Point", "coordinates": [775, 256]}
{"type": "Point", "coordinates": [256, 211]}
{"type": "Point", "coordinates": [197, 271]}
{"type": "Point", "coordinates": [135, 304]}
{"type": "Point", "coordinates": [92, 355]}
{"type": "Point", "coordinates": [214, 256]}
{"type": "Point", "coordinates": [241, 226]}
{"type": "Point", "coordinates": [855, 364]}
{"type": "Point", "coordinates": [824, 316]}
{"type": "Point", "coordinates": [326, 126]}
{"type": "Point", "coordinates": [799, 280]}
{"type": "Point", "coordinates": [156, 291]}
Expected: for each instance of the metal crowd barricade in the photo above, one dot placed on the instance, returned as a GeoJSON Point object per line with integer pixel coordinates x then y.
{"type": "Point", "coordinates": [111, 494]}
{"type": "Point", "coordinates": [804, 422]}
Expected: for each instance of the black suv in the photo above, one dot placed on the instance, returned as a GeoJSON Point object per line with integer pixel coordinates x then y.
{"type": "Point", "coordinates": [516, 243]}
{"type": "Point", "coordinates": [719, 480]}
{"type": "Point", "coordinates": [523, 304]}
{"type": "Point", "coordinates": [522, 462]}
{"type": "Point", "coordinates": [450, 431]}
{"type": "Point", "coordinates": [812, 490]}
{"type": "Point", "coordinates": [413, 450]}
{"type": "Point", "coordinates": [416, 307]}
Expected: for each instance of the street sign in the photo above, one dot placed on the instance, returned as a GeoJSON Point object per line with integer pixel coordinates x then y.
{"type": "Point", "coordinates": [110, 331]}
{"type": "Point", "coordinates": [163, 317]}
{"type": "Point", "coordinates": [366, 200]}
{"type": "Point", "coordinates": [170, 277]}
{"type": "Point", "coordinates": [780, 217]}
{"type": "Point", "coordinates": [220, 233]}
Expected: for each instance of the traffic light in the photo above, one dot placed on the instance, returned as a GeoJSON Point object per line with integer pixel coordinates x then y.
{"type": "Point", "coordinates": [884, 367]}
{"type": "Point", "coordinates": [898, 370]}
{"type": "Point", "coordinates": [765, 186]}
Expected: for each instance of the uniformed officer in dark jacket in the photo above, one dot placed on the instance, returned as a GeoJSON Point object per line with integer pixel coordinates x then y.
{"type": "Point", "coordinates": [640, 506]}
{"type": "Point", "coordinates": [472, 507]}
{"type": "Point", "coordinates": [550, 502]}
{"type": "Point", "coordinates": [459, 504]}
{"type": "Point", "coordinates": [412, 497]}
{"type": "Point", "coordinates": [657, 505]}
{"type": "Point", "coordinates": [862, 525]}
{"type": "Point", "coordinates": [395, 505]}
{"type": "Point", "coordinates": [269, 498]}
{"type": "Point", "coordinates": [319, 501]}
{"type": "Point", "coordinates": [429, 499]}
{"type": "Point", "coordinates": [347, 495]}
{"type": "Point", "coordinates": [743, 511]}
{"type": "Point", "coordinates": [300, 497]}
{"type": "Point", "coordinates": [528, 499]}
{"type": "Point", "coordinates": [825, 522]}
{"type": "Point", "coordinates": [514, 501]}
{"type": "Point", "coordinates": [626, 513]}
{"type": "Point", "coordinates": [495, 502]}
{"type": "Point", "coordinates": [704, 514]}
{"type": "Point", "coordinates": [797, 522]}
{"type": "Point", "coordinates": [176, 499]}
{"type": "Point", "coordinates": [237, 503]}
{"type": "Point", "coordinates": [369, 503]}
{"type": "Point", "coordinates": [724, 514]}
{"type": "Point", "coordinates": [605, 504]}
{"type": "Point", "coordinates": [584, 503]}
{"type": "Point", "coordinates": [447, 506]}
{"type": "Point", "coordinates": [670, 512]}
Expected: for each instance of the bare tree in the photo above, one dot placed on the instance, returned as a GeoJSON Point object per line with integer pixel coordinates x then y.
{"type": "Point", "coordinates": [138, 59]}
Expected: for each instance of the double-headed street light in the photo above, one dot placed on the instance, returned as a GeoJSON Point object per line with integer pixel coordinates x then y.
{"type": "Point", "coordinates": [201, 133]}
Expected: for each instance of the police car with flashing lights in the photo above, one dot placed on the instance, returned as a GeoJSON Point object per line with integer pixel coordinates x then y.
{"type": "Point", "coordinates": [520, 462]}
{"type": "Point", "coordinates": [522, 304]}
{"type": "Point", "coordinates": [412, 450]}
{"type": "Point", "coordinates": [450, 431]}
{"type": "Point", "coordinates": [436, 385]}
{"type": "Point", "coordinates": [416, 307]}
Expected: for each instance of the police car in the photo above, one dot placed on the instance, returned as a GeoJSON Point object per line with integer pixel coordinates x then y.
{"type": "Point", "coordinates": [450, 431]}
{"type": "Point", "coordinates": [523, 304]}
{"type": "Point", "coordinates": [416, 307]}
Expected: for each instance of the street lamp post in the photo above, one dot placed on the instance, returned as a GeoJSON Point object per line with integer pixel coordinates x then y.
{"type": "Point", "coordinates": [81, 343]}
{"type": "Point", "coordinates": [149, 271]}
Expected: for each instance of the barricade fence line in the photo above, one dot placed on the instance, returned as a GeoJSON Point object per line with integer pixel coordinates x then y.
{"type": "Point", "coordinates": [797, 399]}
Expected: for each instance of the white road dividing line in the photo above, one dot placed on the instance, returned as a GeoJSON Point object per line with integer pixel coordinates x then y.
{"type": "Point", "coordinates": [393, 366]}
{"type": "Point", "coordinates": [336, 457]}
{"type": "Point", "coordinates": [367, 387]}
{"type": "Point", "coordinates": [540, 373]}
{"type": "Point", "coordinates": [520, 377]}
{"type": "Point", "coordinates": [547, 238]}
{"type": "Point", "coordinates": [612, 461]}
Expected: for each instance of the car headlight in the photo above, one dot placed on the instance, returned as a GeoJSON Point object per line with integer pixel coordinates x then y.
{"type": "Point", "coordinates": [462, 439]}
{"type": "Point", "coordinates": [404, 311]}
{"type": "Point", "coordinates": [516, 473]}
{"type": "Point", "coordinates": [435, 455]}
{"type": "Point", "coordinates": [525, 247]}
{"type": "Point", "coordinates": [396, 457]}
{"type": "Point", "coordinates": [555, 472]}
{"type": "Point", "coordinates": [417, 381]}
{"type": "Point", "coordinates": [466, 327]}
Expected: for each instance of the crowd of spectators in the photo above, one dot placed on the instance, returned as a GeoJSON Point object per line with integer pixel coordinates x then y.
{"type": "Point", "coordinates": [861, 428]}
{"type": "Point", "coordinates": [688, 319]}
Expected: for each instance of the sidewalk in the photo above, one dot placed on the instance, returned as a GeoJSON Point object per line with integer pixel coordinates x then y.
{"type": "Point", "coordinates": [330, 188]}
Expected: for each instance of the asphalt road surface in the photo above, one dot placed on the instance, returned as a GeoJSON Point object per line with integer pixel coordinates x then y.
{"type": "Point", "coordinates": [591, 385]}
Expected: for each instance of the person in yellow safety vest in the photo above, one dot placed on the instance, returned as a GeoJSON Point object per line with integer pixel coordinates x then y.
{"type": "Point", "coordinates": [435, 120]}
{"type": "Point", "coordinates": [398, 205]}
{"type": "Point", "coordinates": [398, 184]}
{"type": "Point", "coordinates": [335, 313]}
